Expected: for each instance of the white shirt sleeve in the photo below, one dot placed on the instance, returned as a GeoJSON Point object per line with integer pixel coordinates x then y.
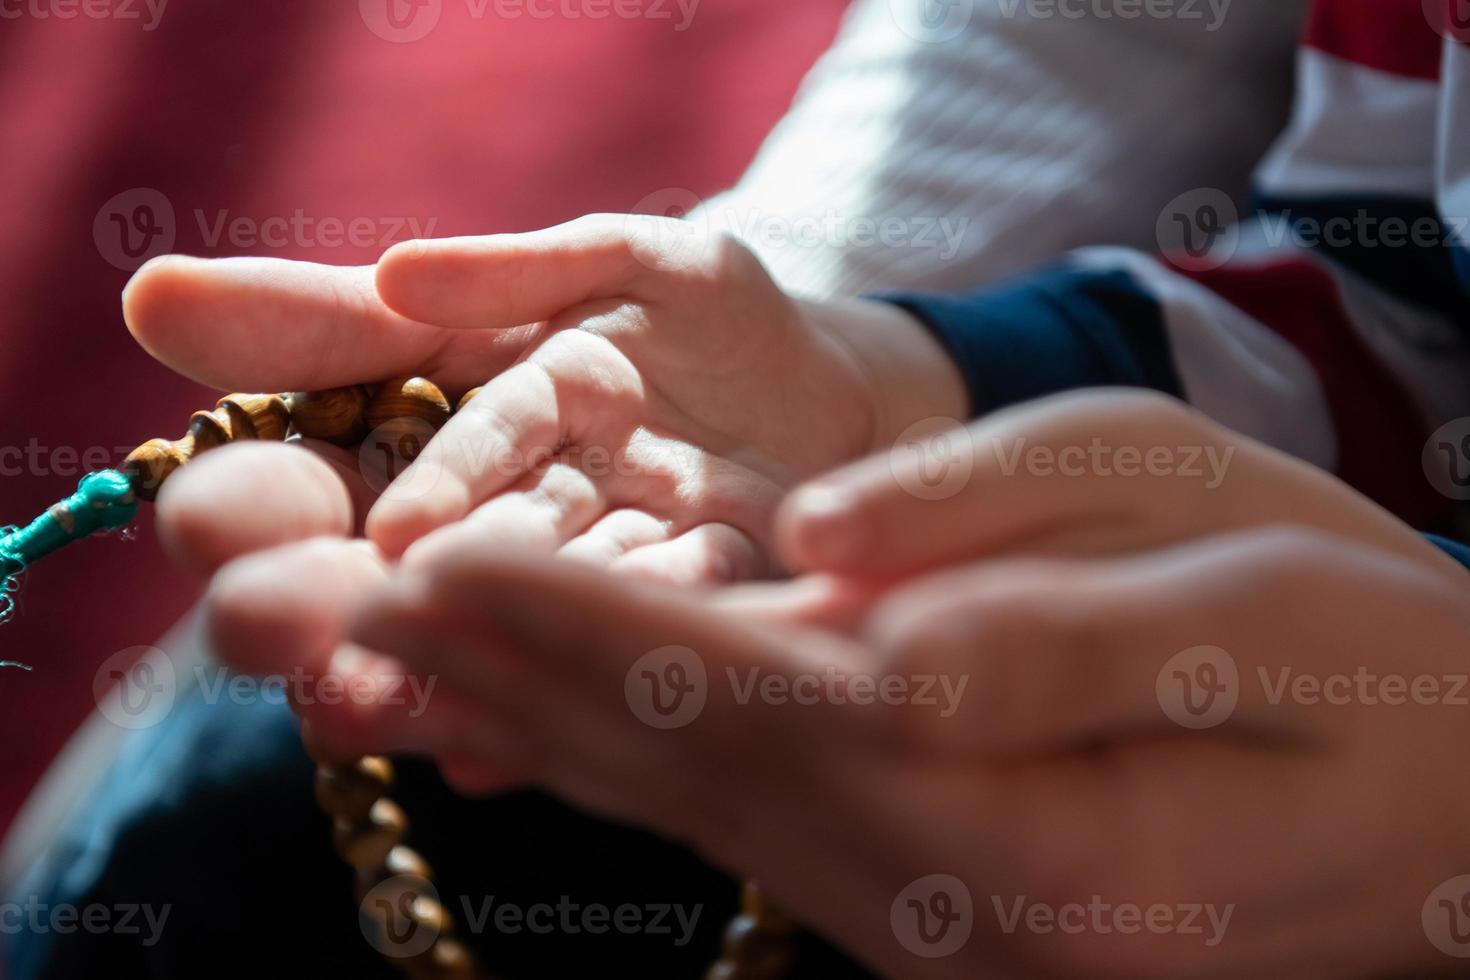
{"type": "Point", "coordinates": [942, 144]}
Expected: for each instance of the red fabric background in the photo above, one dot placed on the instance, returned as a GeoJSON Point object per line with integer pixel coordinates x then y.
{"type": "Point", "coordinates": [264, 109]}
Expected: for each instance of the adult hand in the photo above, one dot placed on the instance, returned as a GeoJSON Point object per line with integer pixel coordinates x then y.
{"type": "Point", "coordinates": [1025, 728]}
{"type": "Point", "coordinates": [1091, 473]}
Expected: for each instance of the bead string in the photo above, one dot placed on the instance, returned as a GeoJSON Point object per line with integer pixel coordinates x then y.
{"type": "Point", "coordinates": [368, 828]}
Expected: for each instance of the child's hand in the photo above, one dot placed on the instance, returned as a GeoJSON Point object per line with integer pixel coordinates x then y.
{"type": "Point", "coordinates": [649, 398]}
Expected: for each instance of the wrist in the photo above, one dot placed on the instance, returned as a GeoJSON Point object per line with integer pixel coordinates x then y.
{"type": "Point", "coordinates": [910, 376]}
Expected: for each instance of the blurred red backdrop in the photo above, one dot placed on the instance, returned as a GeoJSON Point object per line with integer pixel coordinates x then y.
{"type": "Point", "coordinates": [314, 123]}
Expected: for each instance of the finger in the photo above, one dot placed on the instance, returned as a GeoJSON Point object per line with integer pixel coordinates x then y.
{"type": "Point", "coordinates": [279, 610]}
{"type": "Point", "coordinates": [576, 624]}
{"type": "Point", "coordinates": [513, 424]}
{"type": "Point", "coordinates": [818, 601]}
{"type": "Point", "coordinates": [251, 496]}
{"type": "Point", "coordinates": [469, 774]}
{"type": "Point", "coordinates": [556, 399]}
{"type": "Point", "coordinates": [954, 494]}
{"type": "Point", "coordinates": [505, 280]}
{"type": "Point", "coordinates": [1161, 477]}
{"type": "Point", "coordinates": [708, 555]}
{"type": "Point", "coordinates": [668, 476]}
{"type": "Point", "coordinates": [615, 535]}
{"type": "Point", "coordinates": [1056, 654]}
{"type": "Point", "coordinates": [283, 613]}
{"type": "Point", "coordinates": [257, 324]}
{"type": "Point", "coordinates": [537, 516]}
{"type": "Point", "coordinates": [551, 645]}
{"type": "Point", "coordinates": [366, 703]}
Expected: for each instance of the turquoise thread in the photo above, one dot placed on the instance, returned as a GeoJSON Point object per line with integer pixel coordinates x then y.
{"type": "Point", "coordinates": [104, 501]}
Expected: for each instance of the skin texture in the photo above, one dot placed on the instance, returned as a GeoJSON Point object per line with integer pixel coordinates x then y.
{"type": "Point", "coordinates": [647, 397]}
{"type": "Point", "coordinates": [1056, 600]}
{"type": "Point", "coordinates": [1320, 828]}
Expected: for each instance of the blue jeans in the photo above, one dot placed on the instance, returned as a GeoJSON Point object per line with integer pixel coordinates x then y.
{"type": "Point", "coordinates": [207, 830]}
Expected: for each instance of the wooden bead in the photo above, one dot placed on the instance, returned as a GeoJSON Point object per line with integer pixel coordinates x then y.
{"type": "Point", "coordinates": [772, 919]}
{"type": "Point", "coordinates": [148, 466]}
{"type": "Point", "coordinates": [404, 412]}
{"type": "Point", "coordinates": [429, 913]}
{"type": "Point", "coordinates": [447, 959]}
{"type": "Point", "coordinates": [334, 415]}
{"type": "Point", "coordinates": [366, 845]}
{"type": "Point", "coordinates": [758, 943]}
{"type": "Point", "coordinates": [406, 861]}
{"type": "Point", "coordinates": [752, 953]}
{"type": "Point", "coordinates": [234, 418]}
{"type": "Point", "coordinates": [469, 396]}
{"type": "Point", "coordinates": [403, 862]}
{"type": "Point", "coordinates": [264, 417]}
{"type": "Point", "coordinates": [349, 792]}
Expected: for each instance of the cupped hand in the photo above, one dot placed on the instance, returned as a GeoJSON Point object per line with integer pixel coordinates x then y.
{"type": "Point", "coordinates": [1230, 757]}
{"type": "Point", "coordinates": [647, 394]}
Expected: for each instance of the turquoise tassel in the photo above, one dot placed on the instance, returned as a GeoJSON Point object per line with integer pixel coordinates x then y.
{"type": "Point", "coordinates": [104, 501]}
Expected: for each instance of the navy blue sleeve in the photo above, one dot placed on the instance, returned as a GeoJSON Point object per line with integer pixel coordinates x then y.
{"type": "Point", "coordinates": [1056, 330]}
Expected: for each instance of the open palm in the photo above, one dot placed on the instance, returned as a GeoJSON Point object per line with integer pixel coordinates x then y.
{"type": "Point", "coordinates": [646, 394]}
